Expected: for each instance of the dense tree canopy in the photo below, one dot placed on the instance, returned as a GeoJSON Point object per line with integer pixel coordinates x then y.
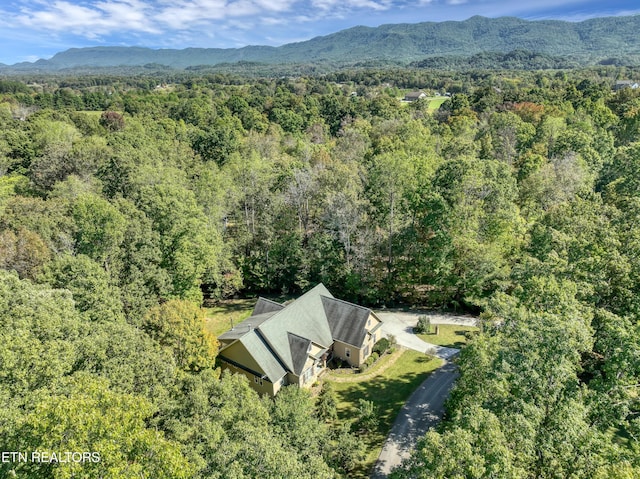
{"type": "Point", "coordinates": [124, 205]}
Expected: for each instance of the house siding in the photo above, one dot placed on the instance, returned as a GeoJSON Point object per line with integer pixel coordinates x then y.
{"type": "Point", "coordinates": [373, 334]}
{"type": "Point", "coordinates": [311, 379]}
{"type": "Point", "coordinates": [355, 356]}
{"type": "Point", "coordinates": [262, 387]}
{"type": "Point", "coordinates": [238, 354]}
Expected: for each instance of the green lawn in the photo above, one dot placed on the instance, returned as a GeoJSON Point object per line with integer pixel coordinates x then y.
{"type": "Point", "coordinates": [218, 318]}
{"type": "Point", "coordinates": [388, 390]}
{"type": "Point", "coordinates": [449, 335]}
{"type": "Point", "coordinates": [436, 101]}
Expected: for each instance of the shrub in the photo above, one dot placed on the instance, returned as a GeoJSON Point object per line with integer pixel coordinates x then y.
{"type": "Point", "coordinates": [367, 416]}
{"type": "Point", "coordinates": [471, 334]}
{"type": "Point", "coordinates": [381, 346]}
{"type": "Point", "coordinates": [327, 403]}
{"type": "Point", "coordinates": [424, 325]}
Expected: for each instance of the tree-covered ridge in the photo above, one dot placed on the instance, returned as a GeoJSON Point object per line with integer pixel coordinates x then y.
{"type": "Point", "coordinates": [513, 60]}
{"type": "Point", "coordinates": [588, 41]}
{"type": "Point", "coordinates": [124, 203]}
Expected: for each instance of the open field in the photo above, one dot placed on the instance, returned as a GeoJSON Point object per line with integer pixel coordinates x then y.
{"type": "Point", "coordinates": [436, 101]}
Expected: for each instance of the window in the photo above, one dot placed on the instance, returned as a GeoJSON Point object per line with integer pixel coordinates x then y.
{"type": "Point", "coordinates": [257, 380]}
{"type": "Point", "coordinates": [366, 351]}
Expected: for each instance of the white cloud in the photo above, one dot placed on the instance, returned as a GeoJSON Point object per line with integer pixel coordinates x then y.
{"type": "Point", "coordinates": [276, 5]}
{"type": "Point", "coordinates": [91, 20]}
{"type": "Point", "coordinates": [50, 25]}
{"type": "Point", "coordinates": [341, 7]}
{"type": "Point", "coordinates": [273, 21]}
{"type": "Point", "coordinates": [182, 15]}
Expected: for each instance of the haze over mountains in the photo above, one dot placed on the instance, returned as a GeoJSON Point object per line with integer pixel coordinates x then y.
{"type": "Point", "coordinates": [589, 41]}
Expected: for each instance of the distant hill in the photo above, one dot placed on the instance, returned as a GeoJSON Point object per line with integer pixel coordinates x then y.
{"type": "Point", "coordinates": [589, 41]}
{"type": "Point", "coordinates": [514, 60]}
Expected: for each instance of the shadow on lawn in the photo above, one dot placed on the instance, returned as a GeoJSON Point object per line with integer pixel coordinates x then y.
{"type": "Point", "coordinates": [445, 344]}
{"type": "Point", "coordinates": [230, 306]}
{"type": "Point", "coordinates": [387, 394]}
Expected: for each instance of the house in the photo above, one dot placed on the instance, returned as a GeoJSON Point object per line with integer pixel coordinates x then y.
{"type": "Point", "coordinates": [415, 96]}
{"type": "Point", "coordinates": [291, 344]}
{"type": "Point", "coordinates": [621, 84]}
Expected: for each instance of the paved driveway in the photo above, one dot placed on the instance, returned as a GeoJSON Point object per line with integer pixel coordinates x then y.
{"type": "Point", "coordinates": [421, 412]}
{"type": "Point", "coordinates": [425, 407]}
{"type": "Point", "coordinates": [401, 324]}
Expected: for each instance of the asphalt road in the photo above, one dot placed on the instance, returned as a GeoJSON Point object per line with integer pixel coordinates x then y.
{"type": "Point", "coordinates": [422, 411]}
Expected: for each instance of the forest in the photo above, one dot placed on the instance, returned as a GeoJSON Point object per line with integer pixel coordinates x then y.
{"type": "Point", "coordinates": [128, 203]}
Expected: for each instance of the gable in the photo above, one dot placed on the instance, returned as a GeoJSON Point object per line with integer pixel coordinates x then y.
{"type": "Point", "coordinates": [347, 321]}
{"type": "Point", "coordinates": [264, 305]}
{"type": "Point", "coordinates": [253, 354]}
{"type": "Point", "coordinates": [305, 317]}
{"type": "Point", "coordinates": [299, 348]}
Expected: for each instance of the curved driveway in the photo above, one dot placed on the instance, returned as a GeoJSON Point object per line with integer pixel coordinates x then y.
{"type": "Point", "coordinates": [422, 411]}
{"type": "Point", "coordinates": [425, 406]}
{"type": "Point", "coordinates": [401, 324]}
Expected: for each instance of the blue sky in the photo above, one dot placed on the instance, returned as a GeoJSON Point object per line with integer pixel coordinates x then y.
{"type": "Point", "coordinates": [32, 29]}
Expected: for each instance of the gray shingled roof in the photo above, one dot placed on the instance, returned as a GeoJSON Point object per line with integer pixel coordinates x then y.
{"type": "Point", "coordinates": [299, 347]}
{"type": "Point", "coordinates": [266, 306]}
{"type": "Point", "coordinates": [240, 329]}
{"type": "Point", "coordinates": [415, 94]}
{"type": "Point", "coordinates": [347, 320]}
{"type": "Point", "coordinates": [263, 356]}
{"type": "Point", "coordinates": [304, 317]}
{"type": "Point", "coordinates": [280, 336]}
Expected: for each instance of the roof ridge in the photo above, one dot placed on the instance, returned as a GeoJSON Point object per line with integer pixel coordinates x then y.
{"type": "Point", "coordinates": [284, 307]}
{"type": "Point", "coordinates": [271, 349]}
{"type": "Point", "coordinates": [298, 336]}
{"type": "Point", "coordinates": [347, 302]}
{"type": "Point", "coordinates": [270, 301]}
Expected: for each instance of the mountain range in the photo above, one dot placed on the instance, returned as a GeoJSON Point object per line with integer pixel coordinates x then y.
{"type": "Point", "coordinates": [588, 41]}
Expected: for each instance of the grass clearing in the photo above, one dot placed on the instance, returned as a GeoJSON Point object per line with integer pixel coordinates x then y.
{"type": "Point", "coordinates": [449, 335]}
{"type": "Point", "coordinates": [218, 318]}
{"type": "Point", "coordinates": [388, 391]}
{"type": "Point", "coordinates": [436, 101]}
